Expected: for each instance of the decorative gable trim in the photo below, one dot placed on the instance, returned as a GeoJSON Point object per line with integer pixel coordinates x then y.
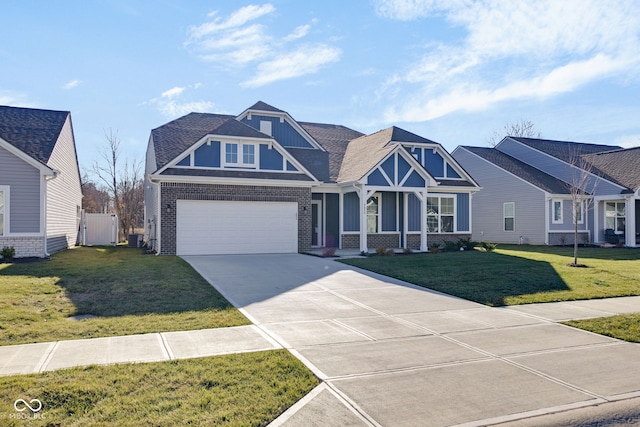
{"type": "Point", "coordinates": [288, 159]}
{"type": "Point", "coordinates": [283, 117]}
{"type": "Point", "coordinates": [399, 170]}
{"type": "Point", "coordinates": [44, 169]}
{"type": "Point", "coordinates": [448, 161]}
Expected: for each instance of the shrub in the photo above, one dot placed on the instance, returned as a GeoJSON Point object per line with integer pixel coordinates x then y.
{"type": "Point", "coordinates": [8, 252]}
{"type": "Point", "coordinates": [434, 248]}
{"type": "Point", "coordinates": [489, 247]}
{"type": "Point", "coordinates": [389, 252]}
{"type": "Point", "coordinates": [450, 246]}
{"type": "Point", "coordinates": [467, 244]}
{"type": "Point", "coordinates": [328, 252]}
{"type": "Point", "coordinates": [380, 250]}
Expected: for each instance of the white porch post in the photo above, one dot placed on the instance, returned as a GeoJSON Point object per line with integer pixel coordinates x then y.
{"type": "Point", "coordinates": [596, 220]}
{"type": "Point", "coordinates": [363, 219]}
{"type": "Point", "coordinates": [630, 222]}
{"type": "Point", "coordinates": [422, 196]}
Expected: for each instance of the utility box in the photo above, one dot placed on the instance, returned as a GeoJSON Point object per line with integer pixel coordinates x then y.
{"type": "Point", "coordinates": [135, 240]}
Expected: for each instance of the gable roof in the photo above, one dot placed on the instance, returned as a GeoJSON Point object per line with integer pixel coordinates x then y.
{"type": "Point", "coordinates": [335, 140]}
{"type": "Point", "coordinates": [621, 166]}
{"type": "Point", "coordinates": [172, 139]}
{"type": "Point", "coordinates": [32, 131]}
{"type": "Point", "coordinates": [401, 135]}
{"type": "Point", "coordinates": [363, 153]}
{"type": "Point", "coordinates": [563, 150]}
{"type": "Point", "coordinates": [263, 106]}
{"type": "Point", "coordinates": [520, 169]}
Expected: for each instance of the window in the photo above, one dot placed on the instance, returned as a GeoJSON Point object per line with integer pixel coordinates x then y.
{"type": "Point", "coordinates": [248, 154]}
{"type": "Point", "coordinates": [373, 214]}
{"type": "Point", "coordinates": [4, 210]}
{"type": "Point", "coordinates": [440, 214]}
{"type": "Point", "coordinates": [509, 215]}
{"type": "Point", "coordinates": [614, 213]}
{"type": "Point", "coordinates": [578, 212]}
{"type": "Point", "coordinates": [231, 153]}
{"type": "Point", "coordinates": [265, 127]}
{"type": "Point", "coordinates": [557, 212]}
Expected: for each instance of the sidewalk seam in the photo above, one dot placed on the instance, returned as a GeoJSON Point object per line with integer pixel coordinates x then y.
{"type": "Point", "coordinates": [46, 358]}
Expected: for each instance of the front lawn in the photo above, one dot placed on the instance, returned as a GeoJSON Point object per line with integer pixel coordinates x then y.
{"type": "Point", "coordinates": [517, 274]}
{"type": "Point", "coordinates": [249, 389]}
{"type": "Point", "coordinates": [624, 326]}
{"type": "Point", "coordinates": [128, 292]}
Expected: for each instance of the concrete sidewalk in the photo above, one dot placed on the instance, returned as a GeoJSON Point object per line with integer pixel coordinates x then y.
{"type": "Point", "coordinates": [40, 357]}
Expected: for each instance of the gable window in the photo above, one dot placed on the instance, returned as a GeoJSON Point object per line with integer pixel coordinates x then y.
{"type": "Point", "coordinates": [614, 213]}
{"type": "Point", "coordinates": [373, 214]}
{"type": "Point", "coordinates": [4, 210]}
{"type": "Point", "coordinates": [557, 212]}
{"type": "Point", "coordinates": [440, 214]}
{"type": "Point", "coordinates": [265, 127]}
{"type": "Point", "coordinates": [248, 154]}
{"type": "Point", "coordinates": [231, 153]}
{"type": "Point", "coordinates": [509, 216]}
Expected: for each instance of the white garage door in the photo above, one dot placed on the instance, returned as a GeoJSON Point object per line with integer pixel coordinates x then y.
{"type": "Point", "coordinates": [217, 227]}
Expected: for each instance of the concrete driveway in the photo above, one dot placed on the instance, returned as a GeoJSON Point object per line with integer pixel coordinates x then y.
{"type": "Point", "coordinates": [394, 354]}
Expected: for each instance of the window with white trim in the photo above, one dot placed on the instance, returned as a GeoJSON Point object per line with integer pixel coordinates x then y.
{"type": "Point", "coordinates": [615, 216]}
{"type": "Point", "coordinates": [4, 210]}
{"type": "Point", "coordinates": [557, 212]}
{"type": "Point", "coordinates": [231, 153]}
{"type": "Point", "coordinates": [578, 212]}
{"type": "Point", "coordinates": [373, 214]}
{"type": "Point", "coordinates": [509, 216]}
{"type": "Point", "coordinates": [248, 154]}
{"type": "Point", "coordinates": [440, 214]}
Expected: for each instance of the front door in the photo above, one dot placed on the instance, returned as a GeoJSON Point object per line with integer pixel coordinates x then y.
{"type": "Point", "coordinates": [316, 223]}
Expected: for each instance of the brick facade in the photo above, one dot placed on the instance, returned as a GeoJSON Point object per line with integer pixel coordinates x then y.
{"type": "Point", "coordinates": [561, 239]}
{"type": "Point", "coordinates": [26, 247]}
{"type": "Point", "coordinates": [170, 192]}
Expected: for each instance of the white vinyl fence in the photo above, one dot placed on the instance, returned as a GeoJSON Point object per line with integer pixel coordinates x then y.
{"type": "Point", "coordinates": [99, 229]}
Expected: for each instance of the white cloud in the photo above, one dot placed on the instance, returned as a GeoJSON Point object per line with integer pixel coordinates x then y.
{"type": "Point", "coordinates": [171, 105]}
{"type": "Point", "coordinates": [236, 19]}
{"type": "Point", "coordinates": [173, 92]}
{"type": "Point", "coordinates": [512, 50]}
{"type": "Point", "coordinates": [239, 41]}
{"type": "Point", "coordinates": [16, 99]}
{"type": "Point", "coordinates": [628, 141]}
{"type": "Point", "coordinates": [72, 84]}
{"type": "Point", "coordinates": [306, 60]}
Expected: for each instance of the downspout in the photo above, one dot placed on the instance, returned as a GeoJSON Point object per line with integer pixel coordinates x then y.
{"type": "Point", "coordinates": [44, 210]}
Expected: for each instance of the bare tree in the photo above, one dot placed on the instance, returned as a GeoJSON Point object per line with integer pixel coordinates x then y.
{"type": "Point", "coordinates": [581, 188]}
{"type": "Point", "coordinates": [122, 182]}
{"type": "Point", "coordinates": [523, 128]}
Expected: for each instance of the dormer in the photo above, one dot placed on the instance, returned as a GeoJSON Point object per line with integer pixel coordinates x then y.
{"type": "Point", "coordinates": [279, 125]}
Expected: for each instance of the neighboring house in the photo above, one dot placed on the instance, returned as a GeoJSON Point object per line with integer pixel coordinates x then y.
{"type": "Point", "coordinates": [261, 182]}
{"type": "Point", "coordinates": [40, 193]}
{"type": "Point", "coordinates": [526, 195]}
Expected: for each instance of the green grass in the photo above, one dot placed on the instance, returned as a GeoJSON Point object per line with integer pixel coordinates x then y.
{"type": "Point", "coordinates": [249, 389]}
{"type": "Point", "coordinates": [624, 326]}
{"type": "Point", "coordinates": [517, 274]}
{"type": "Point", "coordinates": [131, 293]}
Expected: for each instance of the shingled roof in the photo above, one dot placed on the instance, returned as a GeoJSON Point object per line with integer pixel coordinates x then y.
{"type": "Point", "coordinates": [32, 131]}
{"type": "Point", "coordinates": [564, 150]}
{"type": "Point", "coordinates": [520, 169]}
{"type": "Point", "coordinates": [263, 106]}
{"type": "Point", "coordinates": [621, 166]}
{"type": "Point", "coordinates": [173, 138]}
{"type": "Point", "coordinates": [364, 153]}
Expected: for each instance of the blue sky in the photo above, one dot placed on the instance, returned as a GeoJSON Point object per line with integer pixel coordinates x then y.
{"type": "Point", "coordinates": [452, 71]}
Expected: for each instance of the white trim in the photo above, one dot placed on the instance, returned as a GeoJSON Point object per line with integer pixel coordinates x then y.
{"type": "Point", "coordinates": [553, 211]}
{"type": "Point", "coordinates": [44, 169]}
{"type": "Point", "coordinates": [6, 192]}
{"type": "Point", "coordinates": [378, 214]}
{"type": "Point", "coordinates": [440, 196]}
{"type": "Point", "coordinates": [504, 217]}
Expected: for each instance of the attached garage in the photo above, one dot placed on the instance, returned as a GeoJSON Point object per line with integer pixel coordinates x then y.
{"type": "Point", "coordinates": [205, 227]}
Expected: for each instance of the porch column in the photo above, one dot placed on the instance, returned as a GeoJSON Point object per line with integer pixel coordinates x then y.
{"type": "Point", "coordinates": [630, 222]}
{"type": "Point", "coordinates": [422, 196]}
{"type": "Point", "coordinates": [596, 220]}
{"type": "Point", "coordinates": [363, 219]}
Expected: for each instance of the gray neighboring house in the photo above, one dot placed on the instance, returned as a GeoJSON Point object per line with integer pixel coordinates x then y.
{"type": "Point", "coordinates": [262, 182]}
{"type": "Point", "coordinates": [526, 197]}
{"type": "Point", "coordinates": [40, 193]}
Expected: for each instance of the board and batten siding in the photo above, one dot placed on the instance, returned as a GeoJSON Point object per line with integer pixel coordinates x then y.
{"type": "Point", "coordinates": [499, 187]}
{"type": "Point", "coordinates": [553, 166]}
{"type": "Point", "coordinates": [64, 194]}
{"type": "Point", "coordinates": [24, 186]}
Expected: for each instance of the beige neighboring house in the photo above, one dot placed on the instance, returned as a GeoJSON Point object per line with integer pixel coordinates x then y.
{"type": "Point", "coordinates": [40, 192]}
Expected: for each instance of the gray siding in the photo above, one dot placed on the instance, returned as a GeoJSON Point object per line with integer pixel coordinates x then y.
{"type": "Point", "coordinates": [499, 187]}
{"type": "Point", "coordinates": [553, 166]}
{"type": "Point", "coordinates": [567, 217]}
{"type": "Point", "coordinates": [413, 212]}
{"type": "Point", "coordinates": [64, 194]}
{"type": "Point", "coordinates": [283, 132]}
{"type": "Point", "coordinates": [24, 188]}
